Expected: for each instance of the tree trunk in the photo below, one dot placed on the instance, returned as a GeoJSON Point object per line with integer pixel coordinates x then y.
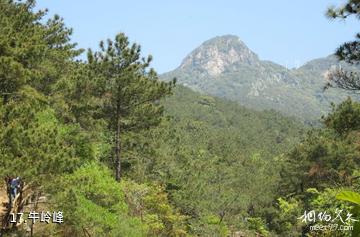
{"type": "Point", "coordinates": [5, 99]}
{"type": "Point", "coordinates": [117, 147]}
{"type": "Point", "coordinates": [6, 117]}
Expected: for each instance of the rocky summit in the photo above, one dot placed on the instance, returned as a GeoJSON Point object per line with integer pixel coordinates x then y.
{"type": "Point", "coordinates": [219, 55]}
{"type": "Point", "coordinates": [225, 67]}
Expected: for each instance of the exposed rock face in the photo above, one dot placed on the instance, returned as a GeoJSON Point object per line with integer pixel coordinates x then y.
{"type": "Point", "coordinates": [219, 54]}
{"type": "Point", "coordinates": [224, 66]}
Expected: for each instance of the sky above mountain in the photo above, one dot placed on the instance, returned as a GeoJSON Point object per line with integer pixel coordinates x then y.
{"type": "Point", "coordinates": [287, 32]}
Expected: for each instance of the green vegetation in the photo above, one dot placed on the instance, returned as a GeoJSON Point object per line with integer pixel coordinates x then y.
{"type": "Point", "coordinates": [219, 160]}
{"type": "Point", "coordinates": [122, 153]}
{"type": "Point", "coordinates": [314, 173]}
{"type": "Point", "coordinates": [62, 122]}
{"type": "Point", "coordinates": [258, 84]}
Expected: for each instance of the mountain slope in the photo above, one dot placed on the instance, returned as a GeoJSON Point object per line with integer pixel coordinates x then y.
{"type": "Point", "coordinates": [225, 67]}
{"type": "Point", "coordinates": [200, 119]}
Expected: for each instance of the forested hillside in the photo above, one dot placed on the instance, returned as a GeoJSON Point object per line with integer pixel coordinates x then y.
{"type": "Point", "coordinates": [103, 147]}
{"type": "Point", "coordinates": [219, 160]}
{"type": "Point", "coordinates": [225, 67]}
{"type": "Point", "coordinates": [267, 133]}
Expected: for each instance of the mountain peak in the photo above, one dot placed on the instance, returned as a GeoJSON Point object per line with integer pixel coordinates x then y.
{"type": "Point", "coordinates": [220, 54]}
{"type": "Point", "coordinates": [230, 39]}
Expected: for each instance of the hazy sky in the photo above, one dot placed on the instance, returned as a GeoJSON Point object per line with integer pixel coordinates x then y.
{"type": "Point", "coordinates": [289, 32]}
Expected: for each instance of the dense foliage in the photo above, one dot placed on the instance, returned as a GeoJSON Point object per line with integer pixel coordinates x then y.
{"type": "Point", "coordinates": [122, 153]}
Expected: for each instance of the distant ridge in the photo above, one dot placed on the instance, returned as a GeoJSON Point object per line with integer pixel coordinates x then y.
{"type": "Point", "coordinates": [224, 66]}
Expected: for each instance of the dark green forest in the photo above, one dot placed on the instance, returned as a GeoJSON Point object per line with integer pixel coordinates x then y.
{"type": "Point", "coordinates": [122, 153]}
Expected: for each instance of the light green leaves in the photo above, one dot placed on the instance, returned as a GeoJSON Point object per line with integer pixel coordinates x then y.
{"type": "Point", "coordinates": [349, 196]}
{"type": "Point", "coordinates": [354, 198]}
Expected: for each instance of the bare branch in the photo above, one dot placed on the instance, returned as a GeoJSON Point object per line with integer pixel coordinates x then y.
{"type": "Point", "coordinates": [343, 79]}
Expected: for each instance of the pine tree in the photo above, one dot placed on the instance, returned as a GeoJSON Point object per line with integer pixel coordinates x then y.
{"type": "Point", "coordinates": [34, 143]}
{"type": "Point", "coordinates": [348, 52]}
{"type": "Point", "coordinates": [130, 92]}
